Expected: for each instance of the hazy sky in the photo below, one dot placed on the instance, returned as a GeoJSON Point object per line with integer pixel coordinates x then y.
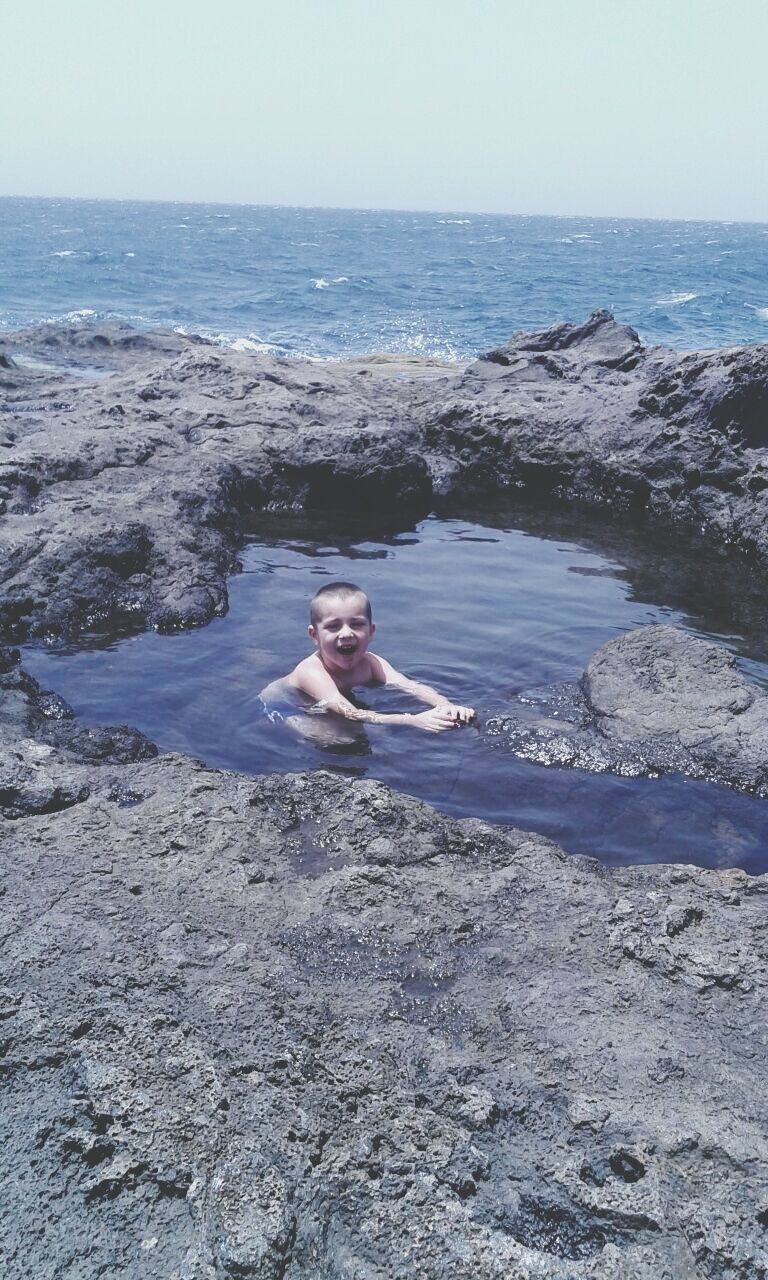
{"type": "Point", "coordinates": [619, 107]}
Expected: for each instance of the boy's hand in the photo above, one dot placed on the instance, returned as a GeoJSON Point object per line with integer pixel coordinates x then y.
{"type": "Point", "coordinates": [437, 719]}
{"type": "Point", "coordinates": [433, 720]}
{"type": "Point", "coordinates": [461, 715]}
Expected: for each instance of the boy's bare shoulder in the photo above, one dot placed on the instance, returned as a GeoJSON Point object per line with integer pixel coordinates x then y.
{"type": "Point", "coordinates": [305, 667]}
{"type": "Point", "coordinates": [378, 667]}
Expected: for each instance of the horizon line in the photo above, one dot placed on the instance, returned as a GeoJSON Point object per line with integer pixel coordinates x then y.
{"type": "Point", "coordinates": [353, 208]}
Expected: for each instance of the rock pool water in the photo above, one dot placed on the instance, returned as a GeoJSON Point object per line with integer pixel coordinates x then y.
{"type": "Point", "coordinates": [485, 606]}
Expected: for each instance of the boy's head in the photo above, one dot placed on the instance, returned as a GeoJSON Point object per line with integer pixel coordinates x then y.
{"type": "Point", "coordinates": [341, 623]}
{"type": "Point", "coordinates": [343, 591]}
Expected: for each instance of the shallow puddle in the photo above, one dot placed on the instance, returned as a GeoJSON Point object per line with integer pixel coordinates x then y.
{"type": "Point", "coordinates": [484, 612]}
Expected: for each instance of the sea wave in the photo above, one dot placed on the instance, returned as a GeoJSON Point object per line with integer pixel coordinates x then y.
{"type": "Point", "coordinates": [238, 342]}
{"type": "Point", "coordinates": [253, 344]}
{"type": "Point", "coordinates": [320, 283]}
{"type": "Point", "coordinates": [676, 299]}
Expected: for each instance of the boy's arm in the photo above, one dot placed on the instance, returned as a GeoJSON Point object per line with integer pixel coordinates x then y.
{"type": "Point", "coordinates": [317, 684]}
{"type": "Point", "coordinates": [423, 692]}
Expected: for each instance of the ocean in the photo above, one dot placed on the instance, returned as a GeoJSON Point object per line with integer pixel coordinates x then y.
{"type": "Point", "coordinates": [329, 283]}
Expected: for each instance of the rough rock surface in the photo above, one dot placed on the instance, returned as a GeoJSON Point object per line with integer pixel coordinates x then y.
{"type": "Point", "coordinates": [33, 722]}
{"type": "Point", "coordinates": [125, 496]}
{"type": "Point", "coordinates": [305, 1028]}
{"type": "Point", "coordinates": [655, 700]}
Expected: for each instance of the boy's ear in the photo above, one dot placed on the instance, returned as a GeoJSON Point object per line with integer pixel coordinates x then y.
{"type": "Point", "coordinates": [373, 627]}
{"type": "Point", "coordinates": [312, 633]}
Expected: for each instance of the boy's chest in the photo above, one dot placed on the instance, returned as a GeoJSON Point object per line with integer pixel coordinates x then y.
{"type": "Point", "coordinates": [358, 676]}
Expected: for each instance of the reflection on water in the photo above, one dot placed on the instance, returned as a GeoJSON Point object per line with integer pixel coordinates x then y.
{"type": "Point", "coordinates": [483, 606]}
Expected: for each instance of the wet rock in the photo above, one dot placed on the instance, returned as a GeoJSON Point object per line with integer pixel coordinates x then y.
{"type": "Point", "coordinates": [661, 684]}
{"type": "Point", "coordinates": [599, 340]}
{"type": "Point", "coordinates": [103, 744]}
{"type": "Point", "coordinates": [653, 701]}
{"type": "Point", "coordinates": [24, 793]}
{"type": "Point", "coordinates": [43, 719]}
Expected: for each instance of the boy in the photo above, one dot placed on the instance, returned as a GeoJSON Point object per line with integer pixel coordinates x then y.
{"type": "Point", "coordinates": [341, 627]}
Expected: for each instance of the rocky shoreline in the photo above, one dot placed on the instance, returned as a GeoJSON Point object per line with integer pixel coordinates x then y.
{"type": "Point", "coordinates": [125, 496]}
{"type": "Point", "coordinates": [305, 1027]}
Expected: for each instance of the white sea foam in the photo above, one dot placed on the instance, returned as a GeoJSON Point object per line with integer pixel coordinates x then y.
{"type": "Point", "coordinates": [565, 240]}
{"type": "Point", "coordinates": [455, 222]}
{"type": "Point", "coordinates": [129, 255]}
{"type": "Point", "coordinates": [64, 253]}
{"type": "Point", "coordinates": [676, 299]}
{"type": "Point", "coordinates": [320, 283]}
{"type": "Point", "coordinates": [82, 314]}
{"type": "Point", "coordinates": [340, 279]}
{"type": "Point", "coordinates": [762, 312]}
{"type": "Point", "coordinates": [252, 344]}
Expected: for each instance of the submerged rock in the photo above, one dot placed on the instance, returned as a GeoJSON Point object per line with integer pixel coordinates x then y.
{"type": "Point", "coordinates": [40, 720]}
{"type": "Point", "coordinates": [655, 700]}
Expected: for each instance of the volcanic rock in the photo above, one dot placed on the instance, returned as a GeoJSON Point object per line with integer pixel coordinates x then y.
{"type": "Point", "coordinates": [125, 497]}
{"type": "Point", "coordinates": [655, 700]}
{"type": "Point", "coordinates": [304, 1027]}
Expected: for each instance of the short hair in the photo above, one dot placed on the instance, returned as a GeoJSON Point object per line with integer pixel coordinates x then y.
{"type": "Point", "coordinates": [342, 590]}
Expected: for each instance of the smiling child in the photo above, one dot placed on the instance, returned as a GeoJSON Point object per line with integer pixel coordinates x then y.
{"type": "Point", "coordinates": [341, 627]}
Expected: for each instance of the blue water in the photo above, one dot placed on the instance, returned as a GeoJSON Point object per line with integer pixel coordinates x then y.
{"type": "Point", "coordinates": [484, 612]}
{"type": "Point", "coordinates": [328, 282]}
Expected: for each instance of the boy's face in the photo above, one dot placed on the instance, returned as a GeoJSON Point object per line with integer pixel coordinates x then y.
{"type": "Point", "coordinates": [342, 631]}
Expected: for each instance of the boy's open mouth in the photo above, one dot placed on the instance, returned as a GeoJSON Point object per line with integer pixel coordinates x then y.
{"type": "Point", "coordinates": [346, 648]}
